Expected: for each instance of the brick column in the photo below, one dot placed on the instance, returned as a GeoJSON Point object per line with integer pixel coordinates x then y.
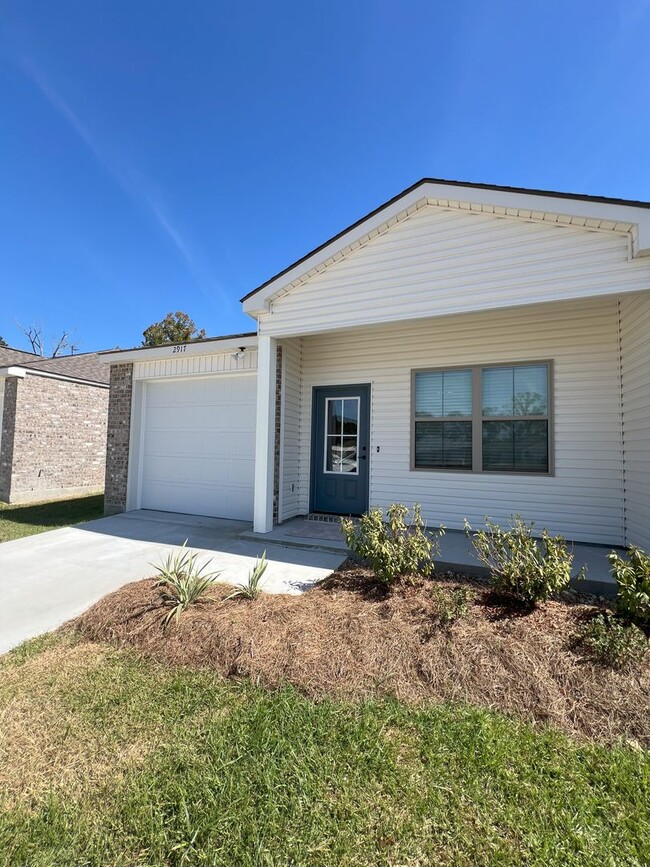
{"type": "Point", "coordinates": [117, 440]}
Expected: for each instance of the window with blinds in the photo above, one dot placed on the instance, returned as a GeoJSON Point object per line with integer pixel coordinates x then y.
{"type": "Point", "coordinates": [484, 419]}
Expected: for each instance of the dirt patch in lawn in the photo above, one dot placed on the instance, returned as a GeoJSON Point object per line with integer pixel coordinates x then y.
{"type": "Point", "coordinates": [350, 638]}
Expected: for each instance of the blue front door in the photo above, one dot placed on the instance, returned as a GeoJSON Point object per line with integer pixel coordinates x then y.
{"type": "Point", "coordinates": [340, 449]}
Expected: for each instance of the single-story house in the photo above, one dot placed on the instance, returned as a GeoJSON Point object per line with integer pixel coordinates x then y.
{"type": "Point", "coordinates": [53, 414]}
{"type": "Point", "coordinates": [481, 350]}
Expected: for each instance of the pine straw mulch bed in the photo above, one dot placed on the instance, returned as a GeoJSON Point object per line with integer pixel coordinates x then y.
{"type": "Point", "coordinates": [350, 638]}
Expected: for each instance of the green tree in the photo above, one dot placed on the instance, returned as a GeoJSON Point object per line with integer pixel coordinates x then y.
{"type": "Point", "coordinates": [3, 342]}
{"type": "Point", "coordinates": [174, 328]}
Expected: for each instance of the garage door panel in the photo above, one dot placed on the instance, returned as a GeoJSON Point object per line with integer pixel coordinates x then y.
{"type": "Point", "coordinates": [199, 446]}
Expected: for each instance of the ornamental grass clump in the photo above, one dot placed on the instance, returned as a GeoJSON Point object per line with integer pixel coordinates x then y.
{"type": "Point", "coordinates": [252, 587]}
{"type": "Point", "coordinates": [396, 544]}
{"type": "Point", "coordinates": [182, 581]}
{"type": "Point", "coordinates": [528, 569]}
{"type": "Point", "coordinates": [632, 576]}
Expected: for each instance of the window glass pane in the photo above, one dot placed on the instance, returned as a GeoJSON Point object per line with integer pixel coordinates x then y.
{"type": "Point", "coordinates": [531, 446]}
{"type": "Point", "coordinates": [334, 413]}
{"type": "Point", "coordinates": [497, 445]}
{"type": "Point", "coordinates": [520, 446]}
{"type": "Point", "coordinates": [445, 393]}
{"type": "Point", "coordinates": [497, 391]}
{"type": "Point", "coordinates": [457, 444]}
{"type": "Point", "coordinates": [428, 394]}
{"type": "Point", "coordinates": [443, 444]}
{"type": "Point", "coordinates": [350, 416]}
{"type": "Point", "coordinates": [531, 390]}
{"type": "Point", "coordinates": [457, 393]}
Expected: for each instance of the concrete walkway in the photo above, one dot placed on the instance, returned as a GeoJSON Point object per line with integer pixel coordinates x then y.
{"type": "Point", "coordinates": [52, 577]}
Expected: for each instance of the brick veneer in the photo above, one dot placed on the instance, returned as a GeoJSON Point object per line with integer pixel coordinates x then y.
{"type": "Point", "coordinates": [53, 438]}
{"type": "Point", "coordinates": [117, 438]}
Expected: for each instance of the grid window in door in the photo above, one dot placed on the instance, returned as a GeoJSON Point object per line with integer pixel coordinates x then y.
{"type": "Point", "coordinates": [342, 435]}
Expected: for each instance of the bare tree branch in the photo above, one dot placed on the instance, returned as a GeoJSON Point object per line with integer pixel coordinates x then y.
{"type": "Point", "coordinates": [35, 336]}
{"type": "Point", "coordinates": [63, 343]}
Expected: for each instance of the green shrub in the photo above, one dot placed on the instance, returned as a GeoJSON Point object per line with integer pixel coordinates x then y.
{"type": "Point", "coordinates": [252, 587]}
{"type": "Point", "coordinates": [395, 547]}
{"type": "Point", "coordinates": [451, 605]}
{"type": "Point", "coordinates": [633, 578]}
{"type": "Point", "coordinates": [521, 566]}
{"type": "Point", "coordinates": [612, 643]}
{"type": "Point", "coordinates": [183, 582]}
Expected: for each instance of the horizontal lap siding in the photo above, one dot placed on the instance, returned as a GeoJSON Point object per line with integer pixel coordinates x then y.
{"type": "Point", "coordinates": [635, 378]}
{"type": "Point", "coordinates": [584, 500]}
{"type": "Point", "coordinates": [439, 262]}
{"type": "Point", "coordinates": [195, 365]}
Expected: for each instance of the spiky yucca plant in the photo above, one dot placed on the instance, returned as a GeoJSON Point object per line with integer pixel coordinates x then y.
{"type": "Point", "coordinates": [252, 587]}
{"type": "Point", "coordinates": [184, 583]}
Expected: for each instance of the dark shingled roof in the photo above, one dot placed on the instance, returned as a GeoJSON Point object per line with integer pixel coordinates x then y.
{"type": "Point", "coordinates": [15, 356]}
{"type": "Point", "coordinates": [83, 366]}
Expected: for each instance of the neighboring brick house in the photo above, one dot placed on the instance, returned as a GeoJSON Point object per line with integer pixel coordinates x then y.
{"type": "Point", "coordinates": [53, 414]}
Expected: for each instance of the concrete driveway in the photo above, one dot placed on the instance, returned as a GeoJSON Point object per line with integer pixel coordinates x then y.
{"type": "Point", "coordinates": [50, 578]}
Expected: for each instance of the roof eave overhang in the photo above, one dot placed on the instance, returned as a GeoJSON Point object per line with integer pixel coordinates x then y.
{"type": "Point", "coordinates": [180, 350]}
{"type": "Point", "coordinates": [563, 210]}
{"type": "Point", "coordinates": [21, 372]}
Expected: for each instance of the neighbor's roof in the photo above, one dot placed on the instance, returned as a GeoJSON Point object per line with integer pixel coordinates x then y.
{"type": "Point", "coordinates": [551, 194]}
{"type": "Point", "coordinates": [16, 356]}
{"type": "Point", "coordinates": [86, 366]}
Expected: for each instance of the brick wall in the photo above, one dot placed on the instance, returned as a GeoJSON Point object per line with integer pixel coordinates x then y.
{"type": "Point", "coordinates": [10, 386]}
{"type": "Point", "coordinates": [55, 437]}
{"type": "Point", "coordinates": [117, 439]}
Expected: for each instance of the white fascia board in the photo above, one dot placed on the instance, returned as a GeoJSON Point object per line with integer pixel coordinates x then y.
{"type": "Point", "coordinates": [22, 372]}
{"type": "Point", "coordinates": [177, 350]}
{"type": "Point", "coordinates": [416, 198]}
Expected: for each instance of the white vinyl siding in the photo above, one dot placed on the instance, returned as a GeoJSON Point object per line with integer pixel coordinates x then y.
{"type": "Point", "coordinates": [583, 500]}
{"type": "Point", "coordinates": [440, 262]}
{"type": "Point", "coordinates": [290, 449]}
{"type": "Point", "coordinates": [635, 381]}
{"type": "Point", "coordinates": [195, 365]}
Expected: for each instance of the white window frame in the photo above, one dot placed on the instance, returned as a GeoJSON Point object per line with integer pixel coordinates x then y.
{"type": "Point", "coordinates": [327, 472]}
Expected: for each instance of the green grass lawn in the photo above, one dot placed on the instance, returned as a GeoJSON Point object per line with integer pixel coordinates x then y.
{"type": "Point", "coordinates": [19, 521]}
{"type": "Point", "coordinates": [109, 760]}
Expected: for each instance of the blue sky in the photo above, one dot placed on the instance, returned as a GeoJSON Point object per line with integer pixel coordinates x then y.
{"type": "Point", "coordinates": [162, 155]}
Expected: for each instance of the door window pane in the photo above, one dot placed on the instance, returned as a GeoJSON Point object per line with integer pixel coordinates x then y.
{"type": "Point", "coordinates": [342, 435]}
{"type": "Point", "coordinates": [443, 445]}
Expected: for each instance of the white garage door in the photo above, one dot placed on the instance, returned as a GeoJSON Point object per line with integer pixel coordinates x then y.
{"type": "Point", "coordinates": [198, 452]}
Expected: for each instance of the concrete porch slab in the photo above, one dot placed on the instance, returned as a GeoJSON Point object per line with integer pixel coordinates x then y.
{"type": "Point", "coordinates": [456, 551]}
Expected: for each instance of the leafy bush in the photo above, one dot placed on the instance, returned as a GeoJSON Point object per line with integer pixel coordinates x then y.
{"type": "Point", "coordinates": [184, 583]}
{"type": "Point", "coordinates": [633, 578]}
{"type": "Point", "coordinates": [252, 587]}
{"type": "Point", "coordinates": [451, 605]}
{"type": "Point", "coordinates": [528, 569]}
{"type": "Point", "coordinates": [612, 643]}
{"type": "Point", "coordinates": [395, 547]}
